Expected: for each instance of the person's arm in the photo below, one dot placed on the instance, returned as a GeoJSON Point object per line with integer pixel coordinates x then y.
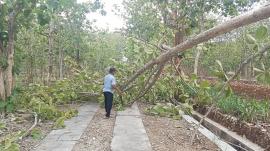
{"type": "Point", "coordinates": [115, 87]}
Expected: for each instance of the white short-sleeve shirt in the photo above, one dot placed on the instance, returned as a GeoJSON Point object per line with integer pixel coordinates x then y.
{"type": "Point", "coordinates": [109, 81]}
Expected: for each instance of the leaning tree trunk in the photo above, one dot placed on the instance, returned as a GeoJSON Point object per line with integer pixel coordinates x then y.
{"type": "Point", "coordinates": [10, 54]}
{"type": "Point", "coordinates": [234, 23]}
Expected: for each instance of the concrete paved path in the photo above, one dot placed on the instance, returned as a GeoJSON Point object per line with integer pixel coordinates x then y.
{"type": "Point", "coordinates": [129, 133]}
{"type": "Point", "coordinates": [65, 139]}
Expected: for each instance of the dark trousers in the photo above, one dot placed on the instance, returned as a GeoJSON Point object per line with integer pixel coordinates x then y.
{"type": "Point", "coordinates": [108, 96]}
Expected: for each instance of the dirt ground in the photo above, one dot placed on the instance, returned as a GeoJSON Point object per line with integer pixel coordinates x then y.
{"type": "Point", "coordinates": [22, 121]}
{"type": "Point", "coordinates": [17, 122]}
{"type": "Point", "coordinates": [166, 134]}
{"type": "Point", "coordinates": [29, 143]}
{"type": "Point", "coordinates": [98, 135]}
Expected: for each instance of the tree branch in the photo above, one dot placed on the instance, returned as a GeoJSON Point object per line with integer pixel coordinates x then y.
{"type": "Point", "coordinates": [146, 42]}
{"type": "Point", "coordinates": [239, 21]}
{"type": "Point", "coordinates": [153, 81]}
{"type": "Point", "coordinates": [32, 127]}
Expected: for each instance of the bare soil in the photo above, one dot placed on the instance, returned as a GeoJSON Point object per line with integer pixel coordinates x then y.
{"type": "Point", "coordinates": [247, 89]}
{"type": "Point", "coordinates": [98, 135]}
{"type": "Point", "coordinates": [22, 122]}
{"type": "Point", "coordinates": [259, 92]}
{"type": "Point", "coordinates": [167, 134]}
{"type": "Point", "coordinates": [258, 133]}
{"type": "Point", "coordinates": [29, 142]}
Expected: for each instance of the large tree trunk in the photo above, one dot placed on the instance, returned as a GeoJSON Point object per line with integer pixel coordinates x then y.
{"type": "Point", "coordinates": [10, 54]}
{"type": "Point", "coordinates": [178, 39]}
{"type": "Point", "coordinates": [239, 21]}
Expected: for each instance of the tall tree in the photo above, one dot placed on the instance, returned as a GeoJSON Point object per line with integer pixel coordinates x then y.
{"type": "Point", "coordinates": [12, 13]}
{"type": "Point", "coordinates": [239, 21]}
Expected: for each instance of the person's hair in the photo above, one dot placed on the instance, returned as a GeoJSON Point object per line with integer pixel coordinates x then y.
{"type": "Point", "coordinates": [112, 70]}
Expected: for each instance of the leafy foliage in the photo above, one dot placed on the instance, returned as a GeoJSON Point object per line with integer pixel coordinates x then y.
{"type": "Point", "coordinates": [82, 54]}
{"type": "Point", "coordinates": [8, 143]}
{"type": "Point", "coordinates": [246, 109]}
{"type": "Point", "coordinates": [36, 134]}
{"type": "Point", "coordinates": [169, 110]}
{"type": "Point", "coordinates": [44, 99]}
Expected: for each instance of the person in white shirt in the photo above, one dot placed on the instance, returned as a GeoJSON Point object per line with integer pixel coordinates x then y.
{"type": "Point", "coordinates": [108, 90]}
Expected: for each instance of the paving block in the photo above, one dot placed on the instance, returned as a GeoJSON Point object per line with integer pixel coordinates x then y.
{"type": "Point", "coordinates": [65, 139]}
{"type": "Point", "coordinates": [129, 133]}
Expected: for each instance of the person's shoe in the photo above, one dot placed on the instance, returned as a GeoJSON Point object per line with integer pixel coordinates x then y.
{"type": "Point", "coordinates": [106, 117]}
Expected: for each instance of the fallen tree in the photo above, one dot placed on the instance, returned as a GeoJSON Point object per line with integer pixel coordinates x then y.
{"type": "Point", "coordinates": [234, 23]}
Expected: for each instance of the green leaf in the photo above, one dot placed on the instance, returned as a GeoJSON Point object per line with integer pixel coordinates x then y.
{"type": "Point", "coordinates": [60, 123]}
{"type": "Point", "coordinates": [10, 107]}
{"type": "Point", "coordinates": [228, 91]}
{"type": "Point", "coordinates": [193, 77]}
{"type": "Point", "coordinates": [250, 39]}
{"type": "Point", "coordinates": [221, 73]}
{"type": "Point", "coordinates": [204, 84]}
{"type": "Point", "coordinates": [261, 33]}
{"type": "Point", "coordinates": [258, 70]}
{"type": "Point", "coordinates": [36, 134]}
{"type": "Point", "coordinates": [220, 64]}
{"type": "Point", "coordinates": [2, 125]}
{"type": "Point", "coordinates": [2, 105]}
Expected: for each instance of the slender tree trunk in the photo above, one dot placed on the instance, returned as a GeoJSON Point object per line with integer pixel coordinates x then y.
{"type": "Point", "coordinates": [50, 53]}
{"type": "Point", "coordinates": [10, 54]}
{"type": "Point", "coordinates": [31, 63]}
{"type": "Point", "coordinates": [196, 62]}
{"type": "Point", "coordinates": [2, 86]}
{"type": "Point", "coordinates": [250, 70]}
{"type": "Point", "coordinates": [2, 83]}
{"type": "Point", "coordinates": [77, 54]}
{"type": "Point", "coordinates": [31, 77]}
{"type": "Point", "coordinates": [61, 58]}
{"type": "Point", "coordinates": [201, 29]}
{"type": "Point", "coordinates": [246, 66]}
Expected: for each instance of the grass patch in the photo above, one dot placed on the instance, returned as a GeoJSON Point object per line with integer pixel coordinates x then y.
{"type": "Point", "coordinates": [249, 110]}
